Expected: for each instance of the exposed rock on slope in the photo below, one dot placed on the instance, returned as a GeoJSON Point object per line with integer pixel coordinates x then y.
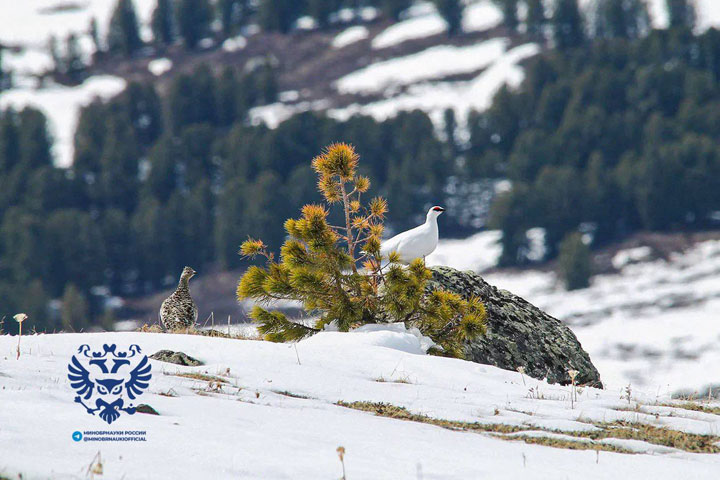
{"type": "Point", "coordinates": [179, 358]}
{"type": "Point", "coordinates": [519, 334]}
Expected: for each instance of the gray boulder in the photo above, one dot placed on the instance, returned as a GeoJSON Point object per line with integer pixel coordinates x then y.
{"type": "Point", "coordinates": [178, 358]}
{"type": "Point", "coordinates": [518, 333]}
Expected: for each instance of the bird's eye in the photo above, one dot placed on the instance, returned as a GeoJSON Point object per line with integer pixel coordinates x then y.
{"type": "Point", "coordinates": [117, 390]}
{"type": "Point", "coordinates": [102, 389]}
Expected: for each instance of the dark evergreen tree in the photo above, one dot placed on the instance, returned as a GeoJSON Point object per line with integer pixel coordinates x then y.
{"type": "Point", "coordinates": [34, 139]}
{"type": "Point", "coordinates": [451, 11]}
{"type": "Point", "coordinates": [681, 13]}
{"type": "Point", "coordinates": [9, 142]}
{"type": "Point", "coordinates": [34, 302]}
{"type": "Point", "coordinates": [119, 246]}
{"type": "Point", "coordinates": [229, 230]}
{"type": "Point", "coordinates": [75, 251]}
{"type": "Point", "coordinates": [574, 262]}
{"type": "Point", "coordinates": [228, 108]}
{"type": "Point", "coordinates": [320, 10]}
{"type": "Point", "coordinates": [163, 22]}
{"type": "Point", "coordinates": [124, 34]}
{"type": "Point", "coordinates": [450, 127]}
{"type": "Point", "coordinates": [118, 181]}
{"type": "Point", "coordinates": [194, 17]}
{"type": "Point", "coordinates": [164, 174]}
{"type": "Point", "coordinates": [621, 18]}
{"type": "Point", "coordinates": [510, 14]}
{"type": "Point", "coordinates": [75, 311]}
{"type": "Point", "coordinates": [232, 15]}
{"type": "Point", "coordinates": [192, 99]}
{"type": "Point", "coordinates": [74, 65]}
{"type": "Point", "coordinates": [142, 105]}
{"type": "Point", "coordinates": [148, 226]}
{"type": "Point", "coordinates": [24, 253]}
{"type": "Point", "coordinates": [195, 144]}
{"type": "Point", "coordinates": [5, 75]}
{"type": "Point", "coordinates": [393, 8]}
{"type": "Point", "coordinates": [95, 36]}
{"type": "Point", "coordinates": [278, 15]}
{"type": "Point", "coordinates": [535, 19]}
{"type": "Point", "coordinates": [567, 25]}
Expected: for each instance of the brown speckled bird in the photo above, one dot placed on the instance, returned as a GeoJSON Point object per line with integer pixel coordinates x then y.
{"type": "Point", "coordinates": [178, 310]}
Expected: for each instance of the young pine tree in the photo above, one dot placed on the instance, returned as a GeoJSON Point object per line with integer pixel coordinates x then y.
{"type": "Point", "coordinates": [338, 274]}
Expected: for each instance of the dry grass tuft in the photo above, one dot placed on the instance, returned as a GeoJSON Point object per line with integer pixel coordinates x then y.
{"type": "Point", "coordinates": [695, 407]}
{"type": "Point", "coordinates": [285, 393]}
{"type": "Point", "coordinates": [194, 331]}
{"type": "Point", "coordinates": [199, 376]}
{"type": "Point", "coordinates": [662, 436]}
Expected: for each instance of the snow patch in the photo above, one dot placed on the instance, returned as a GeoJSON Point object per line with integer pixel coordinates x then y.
{"type": "Point", "coordinates": [477, 253]}
{"type": "Point", "coordinates": [632, 255]}
{"type": "Point", "coordinates": [159, 66]}
{"type": "Point", "coordinates": [419, 27]}
{"type": "Point", "coordinates": [394, 335]}
{"type": "Point", "coordinates": [62, 107]}
{"type": "Point", "coordinates": [481, 16]}
{"type": "Point", "coordinates": [434, 98]}
{"type": "Point", "coordinates": [653, 324]}
{"type": "Point", "coordinates": [434, 62]}
{"type": "Point", "coordinates": [234, 44]}
{"type": "Point", "coordinates": [349, 36]}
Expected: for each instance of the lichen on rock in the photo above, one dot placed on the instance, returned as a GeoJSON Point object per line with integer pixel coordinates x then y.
{"type": "Point", "coordinates": [518, 333]}
{"type": "Point", "coordinates": [178, 358]}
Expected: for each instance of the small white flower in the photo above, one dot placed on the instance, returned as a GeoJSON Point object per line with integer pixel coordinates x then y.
{"type": "Point", "coordinates": [20, 317]}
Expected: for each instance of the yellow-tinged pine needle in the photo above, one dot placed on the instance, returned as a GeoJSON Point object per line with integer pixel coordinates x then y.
{"type": "Point", "coordinates": [330, 188]}
{"type": "Point", "coordinates": [362, 184]}
{"type": "Point", "coordinates": [378, 207]}
{"type": "Point", "coordinates": [251, 247]}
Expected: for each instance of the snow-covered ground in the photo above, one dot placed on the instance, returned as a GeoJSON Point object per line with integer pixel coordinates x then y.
{"type": "Point", "coordinates": [478, 252]}
{"type": "Point", "coordinates": [423, 20]}
{"type": "Point", "coordinates": [434, 62]}
{"type": "Point", "coordinates": [654, 324]}
{"type": "Point", "coordinates": [436, 97]}
{"type": "Point", "coordinates": [271, 412]}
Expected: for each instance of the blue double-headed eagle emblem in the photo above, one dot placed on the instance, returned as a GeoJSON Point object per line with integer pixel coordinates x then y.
{"type": "Point", "coordinates": [109, 378]}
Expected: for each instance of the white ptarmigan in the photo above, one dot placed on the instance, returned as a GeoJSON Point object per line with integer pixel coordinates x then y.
{"type": "Point", "coordinates": [416, 243]}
